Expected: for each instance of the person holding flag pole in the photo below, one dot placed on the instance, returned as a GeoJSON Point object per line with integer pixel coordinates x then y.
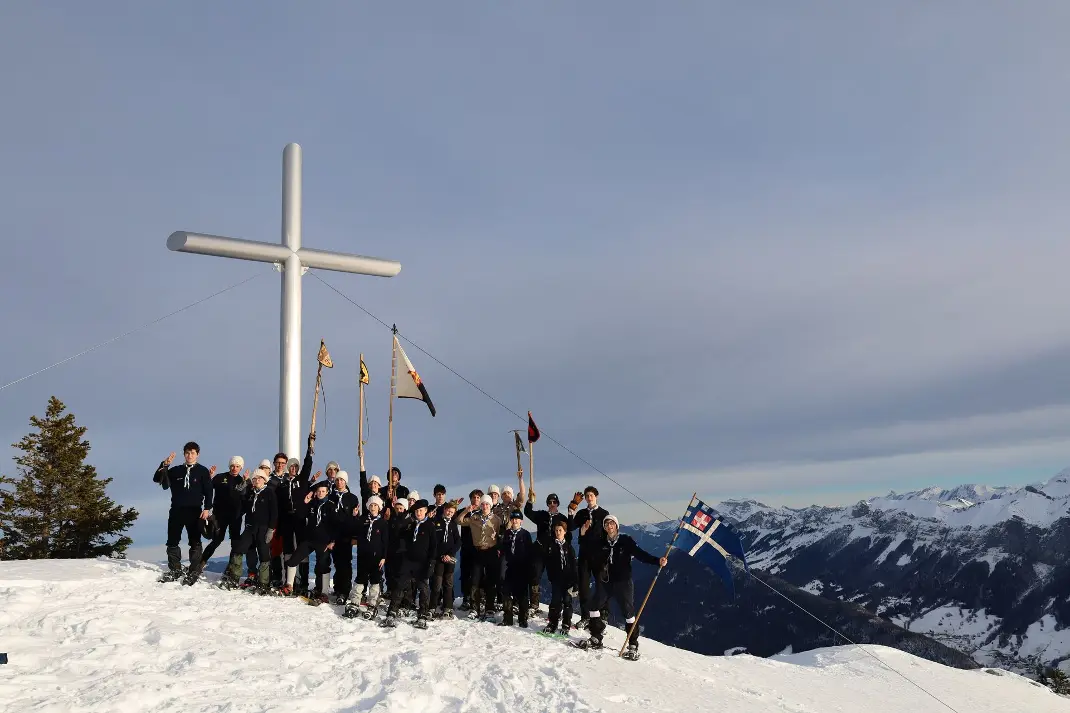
{"type": "Point", "coordinates": [706, 537]}
{"type": "Point", "coordinates": [612, 565]}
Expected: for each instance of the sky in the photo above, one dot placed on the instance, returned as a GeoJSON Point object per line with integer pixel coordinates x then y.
{"type": "Point", "coordinates": [805, 254]}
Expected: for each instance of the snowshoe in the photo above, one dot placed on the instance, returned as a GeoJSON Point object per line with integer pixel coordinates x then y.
{"type": "Point", "coordinates": [583, 623]}
{"type": "Point", "coordinates": [249, 582]}
{"type": "Point", "coordinates": [191, 577]}
{"type": "Point", "coordinates": [286, 591]}
{"type": "Point", "coordinates": [227, 584]}
{"type": "Point", "coordinates": [389, 622]}
{"type": "Point", "coordinates": [447, 613]}
{"type": "Point", "coordinates": [341, 600]}
{"type": "Point", "coordinates": [171, 575]}
{"type": "Point", "coordinates": [632, 654]}
{"type": "Point", "coordinates": [352, 610]}
{"type": "Point", "coordinates": [590, 644]}
{"type": "Point", "coordinates": [369, 613]}
{"type": "Point", "coordinates": [549, 629]}
{"type": "Point", "coordinates": [420, 623]}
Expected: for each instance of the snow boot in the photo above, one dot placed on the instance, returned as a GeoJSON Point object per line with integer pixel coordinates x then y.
{"type": "Point", "coordinates": [632, 654]}
{"type": "Point", "coordinates": [174, 565]}
{"type": "Point", "coordinates": [534, 599]}
{"type": "Point", "coordinates": [192, 575]}
{"type": "Point", "coordinates": [466, 604]}
{"type": "Point", "coordinates": [583, 623]}
{"type": "Point", "coordinates": [590, 644]}
{"type": "Point", "coordinates": [550, 628]}
{"type": "Point", "coordinates": [421, 622]}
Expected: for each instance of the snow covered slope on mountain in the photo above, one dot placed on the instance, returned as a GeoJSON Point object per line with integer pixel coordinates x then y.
{"type": "Point", "coordinates": [983, 569]}
{"type": "Point", "coordinates": [103, 636]}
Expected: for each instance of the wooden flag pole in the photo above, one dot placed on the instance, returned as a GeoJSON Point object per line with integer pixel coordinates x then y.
{"type": "Point", "coordinates": [635, 624]}
{"type": "Point", "coordinates": [320, 357]}
{"type": "Point", "coordinates": [360, 422]}
{"type": "Point", "coordinates": [390, 428]}
{"type": "Point", "coordinates": [531, 467]}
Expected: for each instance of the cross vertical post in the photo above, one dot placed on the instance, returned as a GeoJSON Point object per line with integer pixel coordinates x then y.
{"type": "Point", "coordinates": [290, 336]}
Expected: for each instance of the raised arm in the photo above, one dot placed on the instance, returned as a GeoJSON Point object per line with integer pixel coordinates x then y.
{"type": "Point", "coordinates": [160, 476]}
{"type": "Point", "coordinates": [306, 466]}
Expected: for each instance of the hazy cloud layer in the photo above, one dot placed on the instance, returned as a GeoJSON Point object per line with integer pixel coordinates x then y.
{"type": "Point", "coordinates": [803, 255]}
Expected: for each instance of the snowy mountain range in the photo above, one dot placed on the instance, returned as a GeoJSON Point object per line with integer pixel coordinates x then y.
{"type": "Point", "coordinates": [985, 570]}
{"type": "Point", "coordinates": [98, 636]}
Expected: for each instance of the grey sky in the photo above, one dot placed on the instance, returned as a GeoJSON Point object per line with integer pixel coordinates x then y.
{"type": "Point", "coordinates": [803, 253]}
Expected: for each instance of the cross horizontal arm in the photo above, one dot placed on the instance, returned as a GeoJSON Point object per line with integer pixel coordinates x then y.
{"type": "Point", "coordinates": [184, 242]}
{"type": "Point", "coordinates": [220, 246]}
{"type": "Point", "coordinates": [344, 262]}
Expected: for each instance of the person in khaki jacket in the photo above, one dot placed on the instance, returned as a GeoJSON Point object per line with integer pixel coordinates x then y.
{"type": "Point", "coordinates": [484, 526]}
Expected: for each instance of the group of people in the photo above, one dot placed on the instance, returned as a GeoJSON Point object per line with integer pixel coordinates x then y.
{"type": "Point", "coordinates": [280, 514]}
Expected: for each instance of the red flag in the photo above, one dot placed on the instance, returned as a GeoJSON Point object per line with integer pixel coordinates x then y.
{"type": "Point", "coordinates": [533, 430]}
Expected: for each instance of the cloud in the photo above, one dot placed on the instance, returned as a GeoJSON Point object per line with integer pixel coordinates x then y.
{"type": "Point", "coordinates": [792, 254]}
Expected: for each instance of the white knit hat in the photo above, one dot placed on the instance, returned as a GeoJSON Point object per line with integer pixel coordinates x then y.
{"type": "Point", "coordinates": [265, 464]}
{"type": "Point", "coordinates": [509, 490]}
{"type": "Point", "coordinates": [332, 464]}
{"type": "Point", "coordinates": [493, 489]}
{"type": "Point", "coordinates": [374, 500]}
{"type": "Point", "coordinates": [486, 499]}
{"type": "Point", "coordinates": [375, 479]}
{"type": "Point", "coordinates": [342, 475]}
{"type": "Point", "coordinates": [261, 473]}
{"type": "Point", "coordinates": [613, 518]}
{"type": "Point", "coordinates": [292, 462]}
{"type": "Point", "coordinates": [413, 495]}
{"type": "Point", "coordinates": [404, 505]}
{"type": "Point", "coordinates": [238, 461]}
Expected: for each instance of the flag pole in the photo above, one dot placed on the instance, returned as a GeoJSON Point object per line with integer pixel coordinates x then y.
{"type": "Point", "coordinates": [635, 624]}
{"type": "Point", "coordinates": [360, 422]}
{"type": "Point", "coordinates": [390, 435]}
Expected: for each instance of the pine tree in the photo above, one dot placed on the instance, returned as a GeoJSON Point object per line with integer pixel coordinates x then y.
{"type": "Point", "coordinates": [58, 509]}
{"type": "Point", "coordinates": [1058, 681]}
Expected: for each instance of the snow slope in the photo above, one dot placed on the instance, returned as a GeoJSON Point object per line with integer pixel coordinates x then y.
{"type": "Point", "coordinates": [101, 636]}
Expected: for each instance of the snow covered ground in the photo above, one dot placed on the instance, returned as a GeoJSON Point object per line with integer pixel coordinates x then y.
{"type": "Point", "coordinates": [101, 636]}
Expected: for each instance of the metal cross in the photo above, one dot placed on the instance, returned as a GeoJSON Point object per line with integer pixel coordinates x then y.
{"type": "Point", "coordinates": [292, 260]}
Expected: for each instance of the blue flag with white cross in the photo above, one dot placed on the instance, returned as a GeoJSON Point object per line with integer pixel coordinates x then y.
{"type": "Point", "coordinates": [706, 536]}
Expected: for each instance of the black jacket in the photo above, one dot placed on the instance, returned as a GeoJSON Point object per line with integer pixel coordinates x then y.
{"type": "Point", "coordinates": [197, 491]}
{"type": "Point", "coordinates": [420, 542]}
{"type": "Point", "coordinates": [343, 504]}
{"type": "Point", "coordinates": [596, 535]}
{"type": "Point", "coordinates": [291, 494]}
{"type": "Point", "coordinates": [227, 498]}
{"type": "Point", "coordinates": [260, 509]}
{"type": "Point", "coordinates": [321, 523]}
{"type": "Point", "coordinates": [373, 536]}
{"type": "Point", "coordinates": [560, 562]}
{"type": "Point", "coordinates": [544, 523]}
{"type": "Point", "coordinates": [396, 527]}
{"type": "Point", "coordinates": [516, 550]}
{"type": "Point", "coordinates": [447, 536]}
{"type": "Point", "coordinates": [616, 558]}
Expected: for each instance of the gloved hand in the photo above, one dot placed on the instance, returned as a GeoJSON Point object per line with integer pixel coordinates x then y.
{"type": "Point", "coordinates": [577, 498]}
{"type": "Point", "coordinates": [270, 534]}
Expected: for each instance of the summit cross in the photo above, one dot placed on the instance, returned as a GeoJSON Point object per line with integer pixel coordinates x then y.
{"type": "Point", "coordinates": [292, 260]}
